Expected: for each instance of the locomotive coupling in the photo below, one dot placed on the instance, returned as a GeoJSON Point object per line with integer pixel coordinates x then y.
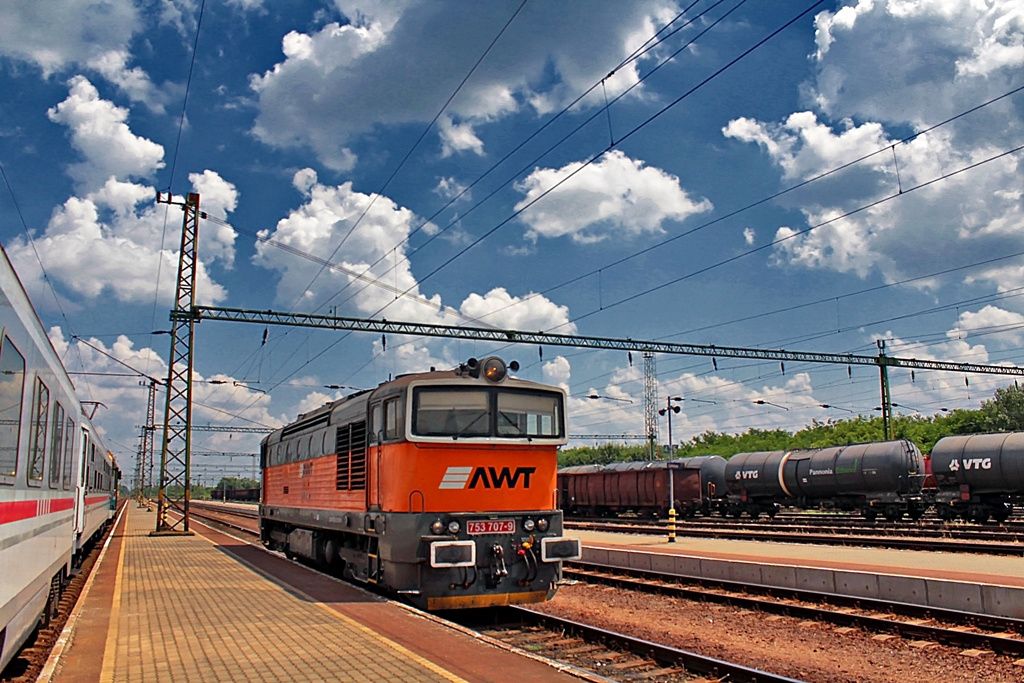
{"type": "Point", "coordinates": [498, 568]}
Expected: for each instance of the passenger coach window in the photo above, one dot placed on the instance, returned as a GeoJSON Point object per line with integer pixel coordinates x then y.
{"type": "Point", "coordinates": [523, 414]}
{"type": "Point", "coordinates": [69, 443]}
{"type": "Point", "coordinates": [40, 412]}
{"type": "Point", "coordinates": [12, 387]}
{"type": "Point", "coordinates": [56, 444]}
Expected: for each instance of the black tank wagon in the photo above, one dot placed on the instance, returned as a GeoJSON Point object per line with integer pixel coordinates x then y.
{"type": "Point", "coordinates": [876, 478]}
{"type": "Point", "coordinates": [978, 476]}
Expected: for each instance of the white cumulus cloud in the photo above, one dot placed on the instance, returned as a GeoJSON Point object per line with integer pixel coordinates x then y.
{"type": "Point", "coordinates": [614, 196]}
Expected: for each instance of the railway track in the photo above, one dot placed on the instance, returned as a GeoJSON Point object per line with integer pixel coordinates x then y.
{"type": "Point", "coordinates": [592, 653]}
{"type": "Point", "coordinates": [932, 528]}
{"type": "Point", "coordinates": [906, 538]}
{"type": "Point", "coordinates": [967, 630]}
{"type": "Point", "coordinates": [618, 656]}
{"type": "Point", "coordinates": [586, 649]}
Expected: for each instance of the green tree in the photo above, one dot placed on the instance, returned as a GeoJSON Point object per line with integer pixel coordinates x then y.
{"type": "Point", "coordinates": [601, 454]}
{"type": "Point", "coordinates": [231, 483]}
{"type": "Point", "coordinates": [1005, 411]}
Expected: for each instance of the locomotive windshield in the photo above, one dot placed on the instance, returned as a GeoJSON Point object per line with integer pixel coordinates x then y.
{"type": "Point", "coordinates": [458, 412]}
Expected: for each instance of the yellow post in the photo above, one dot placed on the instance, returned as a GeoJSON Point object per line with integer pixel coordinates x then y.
{"type": "Point", "coordinates": [672, 525]}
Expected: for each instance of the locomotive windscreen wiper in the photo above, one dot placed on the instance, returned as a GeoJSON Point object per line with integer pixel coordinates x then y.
{"type": "Point", "coordinates": [462, 432]}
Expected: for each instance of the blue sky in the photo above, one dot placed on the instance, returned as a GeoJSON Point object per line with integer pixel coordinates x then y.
{"type": "Point", "coordinates": [424, 149]}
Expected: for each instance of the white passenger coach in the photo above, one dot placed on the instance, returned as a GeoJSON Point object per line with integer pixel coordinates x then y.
{"type": "Point", "coordinates": [58, 484]}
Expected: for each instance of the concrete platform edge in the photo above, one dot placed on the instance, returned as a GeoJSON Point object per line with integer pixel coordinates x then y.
{"type": "Point", "coordinates": [1003, 601]}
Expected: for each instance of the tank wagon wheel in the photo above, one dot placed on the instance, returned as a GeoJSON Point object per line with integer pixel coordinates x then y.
{"type": "Point", "coordinates": [980, 515]}
{"type": "Point", "coordinates": [1002, 512]}
{"type": "Point", "coordinates": [893, 513]}
{"type": "Point", "coordinates": [870, 514]}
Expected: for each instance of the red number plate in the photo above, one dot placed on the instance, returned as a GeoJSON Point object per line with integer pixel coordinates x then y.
{"type": "Point", "coordinates": [491, 526]}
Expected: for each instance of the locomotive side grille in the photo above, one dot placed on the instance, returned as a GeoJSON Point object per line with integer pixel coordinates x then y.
{"type": "Point", "coordinates": [350, 444]}
{"type": "Point", "coordinates": [358, 459]}
{"type": "Point", "coordinates": [341, 445]}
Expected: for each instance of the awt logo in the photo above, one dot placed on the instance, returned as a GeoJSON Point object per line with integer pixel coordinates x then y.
{"type": "Point", "coordinates": [486, 477]}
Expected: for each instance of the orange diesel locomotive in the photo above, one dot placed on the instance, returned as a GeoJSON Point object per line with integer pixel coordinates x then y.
{"type": "Point", "coordinates": [439, 487]}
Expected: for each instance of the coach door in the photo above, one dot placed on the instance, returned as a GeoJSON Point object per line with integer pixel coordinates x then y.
{"type": "Point", "coordinates": [80, 489]}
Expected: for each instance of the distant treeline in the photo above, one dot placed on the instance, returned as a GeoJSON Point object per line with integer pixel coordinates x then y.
{"type": "Point", "coordinates": [1002, 413]}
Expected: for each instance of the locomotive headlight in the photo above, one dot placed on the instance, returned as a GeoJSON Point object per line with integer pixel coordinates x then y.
{"type": "Point", "coordinates": [437, 528]}
{"type": "Point", "coordinates": [453, 527]}
{"type": "Point", "coordinates": [542, 524]}
{"type": "Point", "coordinates": [494, 369]}
{"type": "Point", "coordinates": [528, 525]}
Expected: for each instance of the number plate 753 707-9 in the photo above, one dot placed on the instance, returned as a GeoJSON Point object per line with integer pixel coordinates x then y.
{"type": "Point", "coordinates": [491, 526]}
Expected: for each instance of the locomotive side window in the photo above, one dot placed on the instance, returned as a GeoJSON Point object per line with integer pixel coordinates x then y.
{"type": "Point", "coordinates": [56, 444]}
{"type": "Point", "coordinates": [12, 386]}
{"type": "Point", "coordinates": [523, 414]}
{"type": "Point", "coordinates": [36, 452]}
{"type": "Point", "coordinates": [392, 419]}
{"type": "Point", "coordinates": [376, 423]}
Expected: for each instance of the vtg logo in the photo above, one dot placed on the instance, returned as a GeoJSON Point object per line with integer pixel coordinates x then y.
{"type": "Point", "coordinates": [746, 474]}
{"type": "Point", "coordinates": [488, 477]}
{"type": "Point", "coordinates": [971, 464]}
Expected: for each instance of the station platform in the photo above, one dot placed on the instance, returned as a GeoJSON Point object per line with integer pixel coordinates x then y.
{"type": "Point", "coordinates": [1003, 570]}
{"type": "Point", "coordinates": [983, 584]}
{"type": "Point", "coordinates": [209, 607]}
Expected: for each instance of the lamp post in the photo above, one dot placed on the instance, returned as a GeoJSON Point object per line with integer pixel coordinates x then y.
{"type": "Point", "coordinates": [669, 409]}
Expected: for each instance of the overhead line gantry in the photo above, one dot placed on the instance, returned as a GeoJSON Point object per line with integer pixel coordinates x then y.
{"type": "Point", "coordinates": [175, 460]}
{"type": "Point", "coordinates": [383, 326]}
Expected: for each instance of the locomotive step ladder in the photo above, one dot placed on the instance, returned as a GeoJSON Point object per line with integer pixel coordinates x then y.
{"type": "Point", "coordinates": [374, 571]}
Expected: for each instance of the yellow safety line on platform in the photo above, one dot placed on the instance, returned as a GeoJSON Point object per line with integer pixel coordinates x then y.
{"type": "Point", "coordinates": [422, 661]}
{"type": "Point", "coordinates": [63, 641]}
{"type": "Point", "coordinates": [110, 648]}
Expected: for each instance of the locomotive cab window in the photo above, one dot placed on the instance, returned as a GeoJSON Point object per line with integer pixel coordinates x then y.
{"type": "Point", "coordinates": [451, 412]}
{"type": "Point", "coordinates": [522, 414]}
{"type": "Point", "coordinates": [501, 412]}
